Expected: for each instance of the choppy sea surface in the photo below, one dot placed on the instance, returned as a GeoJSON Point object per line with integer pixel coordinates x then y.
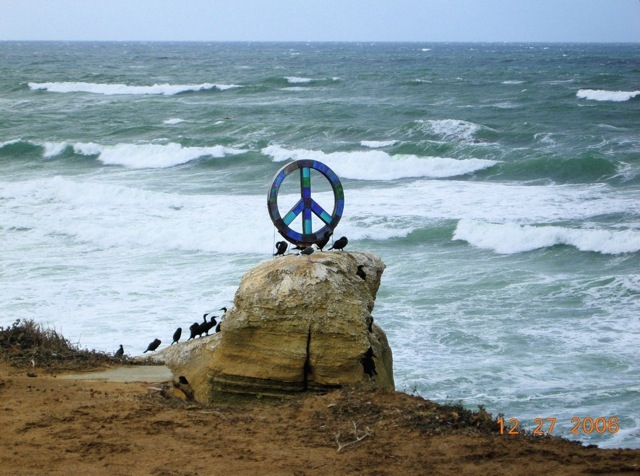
{"type": "Point", "coordinates": [500, 184]}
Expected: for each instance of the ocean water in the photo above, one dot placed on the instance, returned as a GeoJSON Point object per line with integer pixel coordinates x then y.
{"type": "Point", "coordinates": [499, 183]}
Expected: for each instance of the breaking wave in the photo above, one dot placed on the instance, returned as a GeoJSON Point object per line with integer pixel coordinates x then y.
{"type": "Point", "coordinates": [379, 165]}
{"type": "Point", "coordinates": [137, 156]}
{"type": "Point", "coordinates": [124, 89]}
{"type": "Point", "coordinates": [510, 238]}
{"type": "Point", "coordinates": [604, 95]}
{"type": "Point", "coordinates": [450, 129]}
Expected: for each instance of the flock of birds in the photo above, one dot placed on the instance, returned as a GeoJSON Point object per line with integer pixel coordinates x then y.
{"type": "Point", "coordinates": [197, 329]}
{"type": "Point", "coordinates": [340, 244]}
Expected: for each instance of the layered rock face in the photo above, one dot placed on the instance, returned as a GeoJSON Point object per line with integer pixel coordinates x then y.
{"type": "Point", "coordinates": [298, 323]}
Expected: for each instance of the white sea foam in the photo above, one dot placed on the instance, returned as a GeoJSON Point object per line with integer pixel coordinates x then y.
{"type": "Point", "coordinates": [604, 95]}
{"type": "Point", "coordinates": [51, 149]}
{"type": "Point", "coordinates": [159, 156]}
{"type": "Point", "coordinates": [87, 148]}
{"type": "Point", "coordinates": [141, 155]}
{"type": "Point", "coordinates": [297, 79]}
{"type": "Point", "coordinates": [376, 144]}
{"type": "Point", "coordinates": [173, 121]}
{"type": "Point", "coordinates": [513, 81]}
{"type": "Point", "coordinates": [378, 165]}
{"type": "Point", "coordinates": [124, 89]}
{"type": "Point", "coordinates": [107, 216]}
{"type": "Point", "coordinates": [450, 129]}
{"type": "Point", "coordinates": [9, 142]}
{"type": "Point", "coordinates": [509, 238]}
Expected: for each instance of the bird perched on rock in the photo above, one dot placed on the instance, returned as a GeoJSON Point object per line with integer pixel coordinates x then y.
{"type": "Point", "coordinates": [205, 327]}
{"type": "Point", "coordinates": [322, 242]}
{"type": "Point", "coordinates": [340, 243]}
{"type": "Point", "coordinates": [307, 251]}
{"type": "Point", "coordinates": [195, 330]}
{"type": "Point", "coordinates": [225, 312]}
{"type": "Point", "coordinates": [119, 353]}
{"type": "Point", "coordinates": [281, 248]}
{"type": "Point", "coordinates": [176, 335]}
{"type": "Point", "coordinates": [153, 346]}
{"type": "Point", "coordinates": [361, 272]}
{"type": "Point", "coordinates": [368, 364]}
{"type": "Point", "coordinates": [182, 389]}
{"type": "Point", "coordinates": [198, 328]}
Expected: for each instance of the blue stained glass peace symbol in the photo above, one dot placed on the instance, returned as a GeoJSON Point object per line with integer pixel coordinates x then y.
{"type": "Point", "coordinates": [306, 207]}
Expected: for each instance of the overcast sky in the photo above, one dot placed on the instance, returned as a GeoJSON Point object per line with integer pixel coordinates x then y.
{"type": "Point", "coordinates": [322, 20]}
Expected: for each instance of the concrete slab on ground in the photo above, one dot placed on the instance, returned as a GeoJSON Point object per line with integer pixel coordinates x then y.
{"type": "Point", "coordinates": [136, 373]}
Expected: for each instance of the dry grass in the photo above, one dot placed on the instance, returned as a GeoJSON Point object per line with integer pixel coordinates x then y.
{"type": "Point", "coordinates": [28, 344]}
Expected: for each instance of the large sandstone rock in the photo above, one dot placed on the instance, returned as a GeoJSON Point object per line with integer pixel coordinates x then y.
{"type": "Point", "coordinates": [298, 323]}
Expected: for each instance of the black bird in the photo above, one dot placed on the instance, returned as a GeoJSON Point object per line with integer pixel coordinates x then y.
{"type": "Point", "coordinates": [324, 240]}
{"type": "Point", "coordinates": [307, 251]}
{"type": "Point", "coordinates": [205, 327]}
{"type": "Point", "coordinates": [199, 328]}
{"type": "Point", "coordinates": [120, 352]}
{"type": "Point", "coordinates": [340, 243]}
{"type": "Point", "coordinates": [368, 364]}
{"type": "Point", "coordinates": [225, 312]}
{"type": "Point", "coordinates": [153, 346]}
{"type": "Point", "coordinates": [195, 330]}
{"type": "Point", "coordinates": [361, 272]}
{"type": "Point", "coordinates": [281, 247]}
{"type": "Point", "coordinates": [176, 335]}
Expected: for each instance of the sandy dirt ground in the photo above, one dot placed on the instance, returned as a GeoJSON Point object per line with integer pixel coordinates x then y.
{"type": "Point", "coordinates": [53, 425]}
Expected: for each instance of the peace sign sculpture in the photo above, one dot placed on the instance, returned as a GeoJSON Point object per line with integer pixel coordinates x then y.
{"type": "Point", "coordinates": [306, 206]}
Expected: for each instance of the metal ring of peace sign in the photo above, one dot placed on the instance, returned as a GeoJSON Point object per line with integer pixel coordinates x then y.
{"type": "Point", "coordinates": [306, 206]}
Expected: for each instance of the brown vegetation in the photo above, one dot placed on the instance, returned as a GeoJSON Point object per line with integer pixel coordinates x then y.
{"type": "Point", "coordinates": [28, 344]}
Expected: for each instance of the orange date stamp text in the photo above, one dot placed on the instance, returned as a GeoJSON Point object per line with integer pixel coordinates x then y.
{"type": "Point", "coordinates": [545, 426]}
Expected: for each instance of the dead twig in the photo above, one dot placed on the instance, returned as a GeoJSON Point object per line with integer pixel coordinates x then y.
{"type": "Point", "coordinates": [355, 434]}
{"type": "Point", "coordinates": [213, 412]}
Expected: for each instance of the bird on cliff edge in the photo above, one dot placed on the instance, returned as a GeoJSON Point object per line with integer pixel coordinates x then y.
{"type": "Point", "coordinates": [340, 243]}
{"type": "Point", "coordinates": [153, 346]}
{"type": "Point", "coordinates": [176, 335]}
{"type": "Point", "coordinates": [199, 328]}
{"type": "Point", "coordinates": [281, 248]}
{"type": "Point", "coordinates": [324, 240]}
{"type": "Point", "coordinates": [221, 317]}
{"type": "Point", "coordinates": [195, 330]}
{"type": "Point", "coordinates": [207, 326]}
{"type": "Point", "coordinates": [119, 353]}
{"type": "Point", "coordinates": [307, 251]}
